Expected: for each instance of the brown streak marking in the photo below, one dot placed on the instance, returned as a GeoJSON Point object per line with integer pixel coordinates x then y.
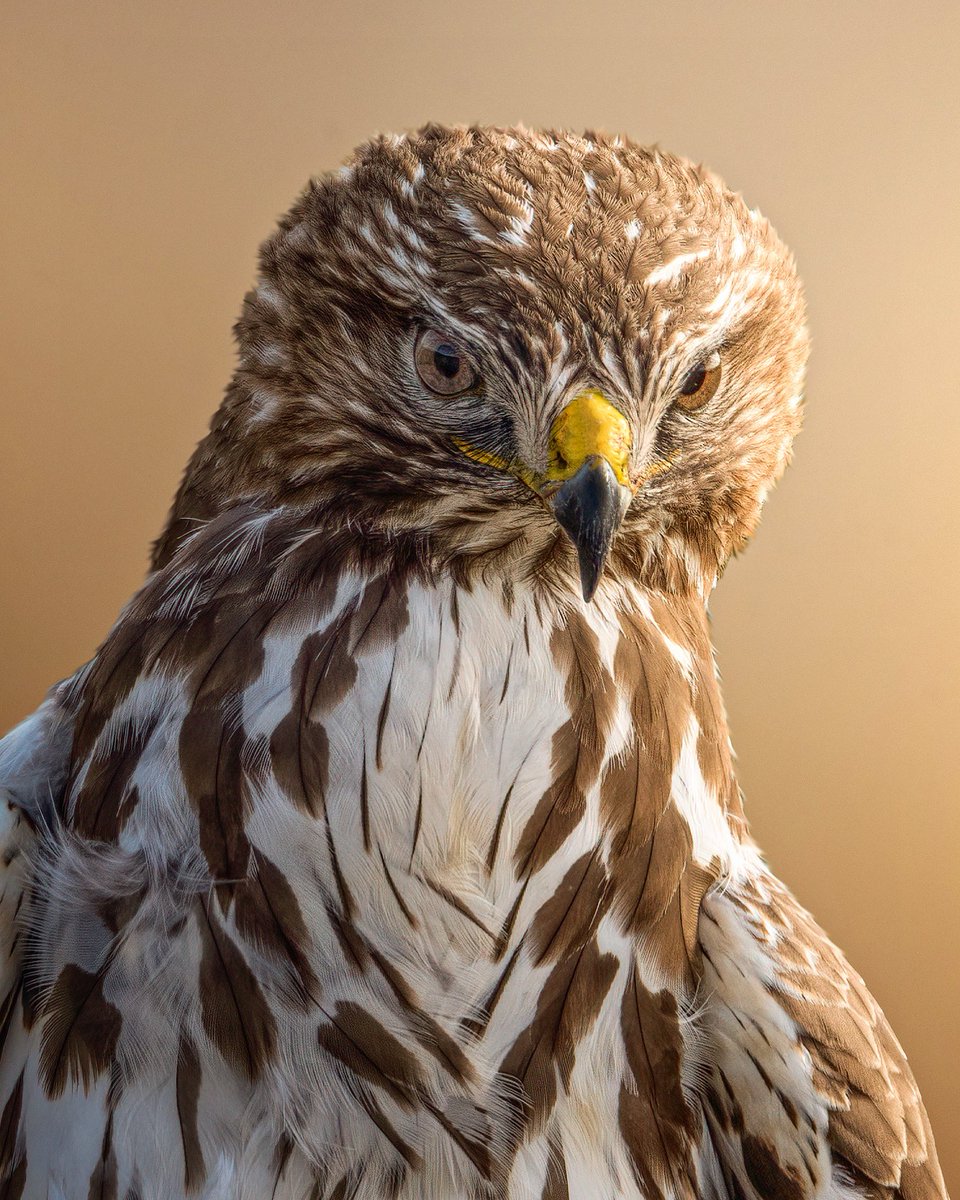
{"type": "Point", "coordinates": [507, 931]}
{"type": "Point", "coordinates": [478, 1155]}
{"type": "Point", "coordinates": [455, 669]}
{"type": "Point", "coordinates": [103, 1179]}
{"type": "Point", "coordinates": [330, 639]}
{"type": "Point", "coordinates": [268, 1029]}
{"type": "Point", "coordinates": [555, 1185]}
{"type": "Point", "coordinates": [379, 1119]}
{"type": "Point", "coordinates": [414, 924]}
{"type": "Point", "coordinates": [478, 1024]}
{"type": "Point", "coordinates": [388, 591]}
{"type": "Point", "coordinates": [498, 829]}
{"type": "Point", "coordinates": [417, 822]}
{"type": "Point", "coordinates": [456, 903]}
{"type": "Point", "coordinates": [357, 606]}
{"type": "Point", "coordinates": [608, 960]}
{"type": "Point", "coordinates": [351, 941]}
{"type": "Point", "coordinates": [384, 711]}
{"type": "Point", "coordinates": [506, 677]}
{"type": "Point", "coordinates": [7, 1011]}
{"type": "Point", "coordinates": [346, 897]}
{"type": "Point", "coordinates": [405, 1084]}
{"type": "Point", "coordinates": [235, 633]}
{"type": "Point", "coordinates": [301, 771]}
{"type": "Point", "coordinates": [759, 1067]}
{"type": "Point", "coordinates": [92, 713]}
{"type": "Point", "coordinates": [767, 1174]}
{"type": "Point", "coordinates": [10, 1127]}
{"type": "Point", "coordinates": [637, 751]}
{"type": "Point", "coordinates": [285, 1150]}
{"type": "Point", "coordinates": [364, 796]}
{"type": "Point", "coordinates": [646, 878]}
{"type": "Point", "coordinates": [439, 1043]}
{"type": "Point", "coordinates": [588, 861]}
{"type": "Point", "coordinates": [187, 1089]}
{"type": "Point", "coordinates": [591, 691]}
{"type": "Point", "coordinates": [218, 807]}
{"type": "Point", "coordinates": [646, 1055]}
{"type": "Point", "coordinates": [295, 952]}
{"type": "Point", "coordinates": [423, 735]}
{"type": "Point", "coordinates": [120, 760]}
{"type": "Point", "coordinates": [107, 1033]}
{"type": "Point", "coordinates": [501, 815]}
{"type": "Point", "coordinates": [554, 792]}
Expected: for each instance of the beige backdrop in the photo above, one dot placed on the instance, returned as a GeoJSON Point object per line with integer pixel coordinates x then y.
{"type": "Point", "coordinates": [150, 147]}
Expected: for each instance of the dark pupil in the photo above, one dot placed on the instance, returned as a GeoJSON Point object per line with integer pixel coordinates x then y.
{"type": "Point", "coordinates": [447, 361]}
{"type": "Point", "coordinates": [694, 381]}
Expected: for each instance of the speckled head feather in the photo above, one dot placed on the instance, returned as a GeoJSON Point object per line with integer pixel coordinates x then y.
{"type": "Point", "coordinates": [557, 262]}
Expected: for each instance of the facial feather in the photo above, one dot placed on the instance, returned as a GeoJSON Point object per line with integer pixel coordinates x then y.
{"type": "Point", "coordinates": [558, 262]}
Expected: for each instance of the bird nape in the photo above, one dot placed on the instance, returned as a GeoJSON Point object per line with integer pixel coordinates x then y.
{"type": "Point", "coordinates": [390, 845]}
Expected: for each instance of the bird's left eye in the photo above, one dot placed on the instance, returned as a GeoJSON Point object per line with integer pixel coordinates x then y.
{"type": "Point", "coordinates": [700, 383]}
{"type": "Point", "coordinates": [442, 364]}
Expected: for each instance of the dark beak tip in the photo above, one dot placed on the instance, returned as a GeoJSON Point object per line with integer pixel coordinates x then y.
{"type": "Point", "coordinates": [589, 507]}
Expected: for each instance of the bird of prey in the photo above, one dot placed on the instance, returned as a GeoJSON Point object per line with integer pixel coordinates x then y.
{"type": "Point", "coordinates": [390, 846]}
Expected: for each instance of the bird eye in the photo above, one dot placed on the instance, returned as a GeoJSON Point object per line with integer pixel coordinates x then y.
{"type": "Point", "coordinates": [443, 366]}
{"type": "Point", "coordinates": [700, 383]}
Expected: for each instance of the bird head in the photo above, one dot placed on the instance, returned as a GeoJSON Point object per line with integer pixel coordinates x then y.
{"type": "Point", "coordinates": [537, 354]}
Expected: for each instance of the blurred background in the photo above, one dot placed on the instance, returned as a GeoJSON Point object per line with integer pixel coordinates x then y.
{"type": "Point", "coordinates": [147, 149]}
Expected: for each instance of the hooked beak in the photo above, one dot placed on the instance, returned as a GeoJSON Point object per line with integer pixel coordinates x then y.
{"type": "Point", "coordinates": [590, 506]}
{"type": "Point", "coordinates": [587, 484]}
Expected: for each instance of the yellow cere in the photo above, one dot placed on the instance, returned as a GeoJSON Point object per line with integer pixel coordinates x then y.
{"type": "Point", "coordinates": [589, 425]}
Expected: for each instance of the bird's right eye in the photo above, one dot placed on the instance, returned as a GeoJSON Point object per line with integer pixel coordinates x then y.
{"type": "Point", "coordinates": [443, 365]}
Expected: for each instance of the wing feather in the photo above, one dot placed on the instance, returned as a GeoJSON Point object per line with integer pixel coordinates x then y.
{"type": "Point", "coordinates": [774, 974]}
{"type": "Point", "coordinates": [34, 760]}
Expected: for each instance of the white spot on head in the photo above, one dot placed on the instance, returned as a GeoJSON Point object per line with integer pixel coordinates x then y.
{"type": "Point", "coordinates": [267, 294]}
{"type": "Point", "coordinates": [407, 186]}
{"type": "Point", "coordinates": [718, 303]}
{"type": "Point", "coordinates": [263, 405]}
{"type": "Point", "coordinates": [519, 226]}
{"type": "Point", "coordinates": [589, 182]}
{"type": "Point", "coordinates": [631, 231]}
{"type": "Point", "coordinates": [300, 236]}
{"type": "Point", "coordinates": [468, 220]}
{"type": "Point", "coordinates": [673, 267]}
{"type": "Point", "coordinates": [267, 354]}
{"type": "Point", "coordinates": [613, 365]}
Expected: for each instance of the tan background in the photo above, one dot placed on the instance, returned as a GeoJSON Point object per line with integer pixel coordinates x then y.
{"type": "Point", "coordinates": [149, 148]}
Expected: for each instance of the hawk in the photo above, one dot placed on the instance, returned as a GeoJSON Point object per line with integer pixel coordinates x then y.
{"type": "Point", "coordinates": [390, 846]}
